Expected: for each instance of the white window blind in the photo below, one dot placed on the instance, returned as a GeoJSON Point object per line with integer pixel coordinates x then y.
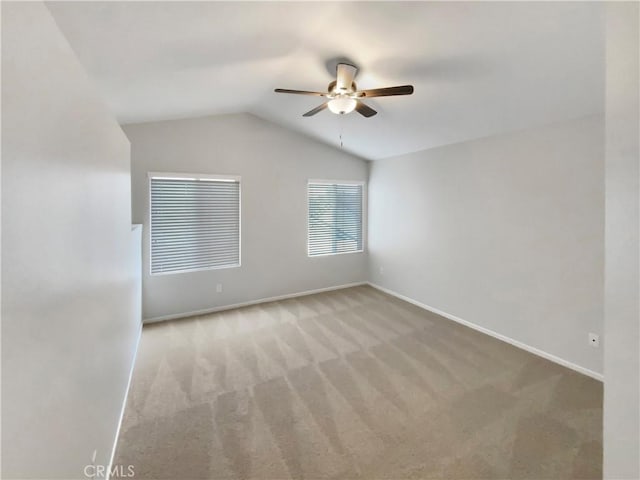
{"type": "Point", "coordinates": [195, 223]}
{"type": "Point", "coordinates": [335, 217]}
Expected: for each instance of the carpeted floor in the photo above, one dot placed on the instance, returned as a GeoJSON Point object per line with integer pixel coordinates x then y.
{"type": "Point", "coordinates": [351, 384]}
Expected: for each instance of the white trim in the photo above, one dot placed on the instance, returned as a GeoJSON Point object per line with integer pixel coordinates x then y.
{"type": "Point", "coordinates": [491, 333]}
{"type": "Point", "coordinates": [124, 403]}
{"type": "Point", "coordinates": [332, 254]}
{"type": "Point", "coordinates": [314, 181]}
{"type": "Point", "coordinates": [192, 176]}
{"type": "Point", "coordinates": [205, 311]}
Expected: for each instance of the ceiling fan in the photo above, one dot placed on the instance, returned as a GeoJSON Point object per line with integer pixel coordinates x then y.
{"type": "Point", "coordinates": [344, 97]}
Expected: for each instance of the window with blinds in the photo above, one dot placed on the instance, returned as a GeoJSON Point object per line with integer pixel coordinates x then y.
{"type": "Point", "coordinates": [195, 222]}
{"type": "Point", "coordinates": [335, 217]}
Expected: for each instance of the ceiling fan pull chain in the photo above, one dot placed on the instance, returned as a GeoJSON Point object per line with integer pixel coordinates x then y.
{"type": "Point", "coordinates": [341, 122]}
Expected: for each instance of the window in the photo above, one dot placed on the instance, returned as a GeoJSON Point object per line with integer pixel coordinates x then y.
{"type": "Point", "coordinates": [335, 217]}
{"type": "Point", "coordinates": [195, 222]}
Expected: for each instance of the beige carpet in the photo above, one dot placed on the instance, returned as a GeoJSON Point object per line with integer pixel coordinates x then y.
{"type": "Point", "coordinates": [351, 384]}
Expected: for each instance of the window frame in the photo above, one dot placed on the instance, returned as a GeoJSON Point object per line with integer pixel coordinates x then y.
{"type": "Point", "coordinates": [363, 219]}
{"type": "Point", "coordinates": [193, 177]}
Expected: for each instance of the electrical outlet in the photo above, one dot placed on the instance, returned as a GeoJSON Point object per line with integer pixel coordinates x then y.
{"type": "Point", "coordinates": [219, 288]}
{"type": "Point", "coordinates": [594, 340]}
{"type": "Point", "coordinates": [381, 270]}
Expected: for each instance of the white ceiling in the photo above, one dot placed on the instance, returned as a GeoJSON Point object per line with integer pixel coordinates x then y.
{"type": "Point", "coordinates": [478, 68]}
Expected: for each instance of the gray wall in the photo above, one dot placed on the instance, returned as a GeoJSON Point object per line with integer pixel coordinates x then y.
{"type": "Point", "coordinates": [69, 314]}
{"type": "Point", "coordinates": [275, 165]}
{"type": "Point", "coordinates": [622, 288]}
{"type": "Point", "coordinates": [505, 232]}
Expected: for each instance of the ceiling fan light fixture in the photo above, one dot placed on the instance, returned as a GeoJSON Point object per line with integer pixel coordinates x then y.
{"type": "Point", "coordinates": [342, 105]}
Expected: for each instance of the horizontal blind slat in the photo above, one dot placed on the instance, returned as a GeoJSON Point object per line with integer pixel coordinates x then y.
{"type": "Point", "coordinates": [195, 224]}
{"type": "Point", "coordinates": [335, 218]}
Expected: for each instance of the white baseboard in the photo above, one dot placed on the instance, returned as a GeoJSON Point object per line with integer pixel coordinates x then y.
{"type": "Point", "coordinates": [499, 336]}
{"type": "Point", "coordinates": [124, 403]}
{"type": "Point", "coordinates": [249, 303]}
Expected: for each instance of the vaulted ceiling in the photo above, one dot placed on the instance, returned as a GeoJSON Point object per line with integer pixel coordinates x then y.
{"type": "Point", "coordinates": [479, 68]}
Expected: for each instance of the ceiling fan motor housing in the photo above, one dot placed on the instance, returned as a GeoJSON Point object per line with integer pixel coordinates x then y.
{"type": "Point", "coordinates": [333, 88]}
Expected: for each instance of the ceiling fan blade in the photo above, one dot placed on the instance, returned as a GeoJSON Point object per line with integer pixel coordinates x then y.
{"type": "Point", "coordinates": [345, 74]}
{"type": "Point", "coordinates": [386, 92]}
{"type": "Point", "coordinates": [365, 110]}
{"type": "Point", "coordinates": [299, 92]}
{"type": "Point", "coordinates": [319, 108]}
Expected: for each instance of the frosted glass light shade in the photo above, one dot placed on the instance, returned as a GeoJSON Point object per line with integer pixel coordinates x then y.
{"type": "Point", "coordinates": [341, 105]}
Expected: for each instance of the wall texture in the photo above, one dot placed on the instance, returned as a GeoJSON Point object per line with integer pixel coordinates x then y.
{"type": "Point", "coordinates": [275, 165]}
{"type": "Point", "coordinates": [622, 286]}
{"type": "Point", "coordinates": [505, 232]}
{"type": "Point", "coordinates": [69, 317]}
